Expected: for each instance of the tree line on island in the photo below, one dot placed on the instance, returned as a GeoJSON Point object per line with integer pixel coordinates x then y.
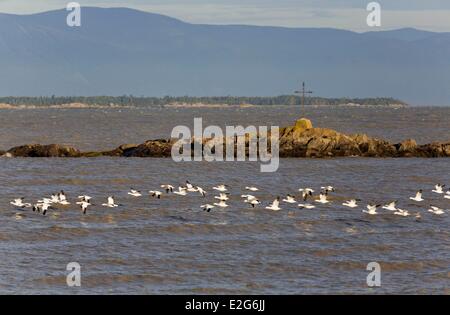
{"type": "Point", "coordinates": [130, 100]}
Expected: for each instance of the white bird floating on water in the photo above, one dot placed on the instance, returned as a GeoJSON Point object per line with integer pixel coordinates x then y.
{"type": "Point", "coordinates": [254, 202]}
{"type": "Point", "coordinates": [110, 203]}
{"type": "Point", "coordinates": [306, 206]}
{"type": "Point", "coordinates": [221, 204]}
{"type": "Point", "coordinates": [447, 194]}
{"type": "Point", "coordinates": [328, 188]}
{"type": "Point", "coordinates": [54, 198]}
{"type": "Point", "coordinates": [403, 213]}
{"type": "Point", "coordinates": [207, 207]}
{"type": "Point", "coordinates": [134, 193]}
{"type": "Point", "coordinates": [62, 199]}
{"type": "Point", "coordinates": [45, 200]}
{"type": "Point", "coordinates": [181, 191]}
{"type": "Point", "coordinates": [290, 199]}
{"type": "Point", "coordinates": [155, 193]}
{"type": "Point", "coordinates": [190, 187]}
{"type": "Point", "coordinates": [418, 196]}
{"type": "Point", "coordinates": [371, 209]}
{"type": "Point", "coordinates": [222, 197]}
{"type": "Point", "coordinates": [438, 189]}
{"type": "Point", "coordinates": [84, 197]}
{"type": "Point", "coordinates": [392, 206]}
{"type": "Point", "coordinates": [84, 206]}
{"type": "Point", "coordinates": [168, 188]}
{"type": "Point", "coordinates": [221, 188]}
{"type": "Point", "coordinates": [350, 203]}
{"type": "Point", "coordinates": [306, 192]}
{"type": "Point", "coordinates": [274, 205]}
{"type": "Point", "coordinates": [19, 203]}
{"type": "Point", "coordinates": [251, 188]}
{"type": "Point", "coordinates": [201, 191]}
{"type": "Point", "coordinates": [44, 207]}
{"type": "Point", "coordinates": [248, 197]}
{"type": "Point", "coordinates": [322, 198]}
{"type": "Point", "coordinates": [436, 210]}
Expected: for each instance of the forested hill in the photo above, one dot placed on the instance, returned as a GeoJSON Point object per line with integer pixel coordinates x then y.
{"type": "Point", "coordinates": [129, 100]}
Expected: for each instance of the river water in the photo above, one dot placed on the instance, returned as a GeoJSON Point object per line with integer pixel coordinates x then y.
{"type": "Point", "coordinates": [170, 246]}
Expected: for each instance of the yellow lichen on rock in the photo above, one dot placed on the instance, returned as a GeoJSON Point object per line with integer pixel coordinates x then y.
{"type": "Point", "coordinates": [303, 124]}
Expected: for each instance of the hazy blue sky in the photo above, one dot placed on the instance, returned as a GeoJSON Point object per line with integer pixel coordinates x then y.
{"type": "Point", "coordinates": [347, 14]}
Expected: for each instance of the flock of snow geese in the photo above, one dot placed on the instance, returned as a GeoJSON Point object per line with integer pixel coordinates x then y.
{"type": "Point", "coordinates": [84, 202]}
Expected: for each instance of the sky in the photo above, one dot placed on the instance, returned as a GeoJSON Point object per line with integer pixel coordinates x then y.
{"type": "Point", "coordinates": [433, 15]}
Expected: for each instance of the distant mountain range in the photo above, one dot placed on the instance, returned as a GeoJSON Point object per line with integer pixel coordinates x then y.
{"type": "Point", "coordinates": [123, 51]}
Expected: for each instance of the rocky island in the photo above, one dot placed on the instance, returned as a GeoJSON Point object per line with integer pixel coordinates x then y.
{"type": "Point", "coordinates": [301, 140]}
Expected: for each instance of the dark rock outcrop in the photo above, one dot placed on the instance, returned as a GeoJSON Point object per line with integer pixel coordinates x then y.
{"type": "Point", "coordinates": [38, 150]}
{"type": "Point", "coordinates": [435, 149]}
{"type": "Point", "coordinates": [300, 140]}
{"type": "Point", "coordinates": [374, 147]}
{"type": "Point", "coordinates": [407, 148]}
{"type": "Point", "coordinates": [315, 142]}
{"type": "Point", "coordinates": [150, 148]}
{"type": "Point", "coordinates": [122, 150]}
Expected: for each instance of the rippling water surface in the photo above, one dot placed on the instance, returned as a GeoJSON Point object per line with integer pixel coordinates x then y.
{"type": "Point", "coordinates": [171, 246]}
{"type": "Point", "coordinates": [94, 129]}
